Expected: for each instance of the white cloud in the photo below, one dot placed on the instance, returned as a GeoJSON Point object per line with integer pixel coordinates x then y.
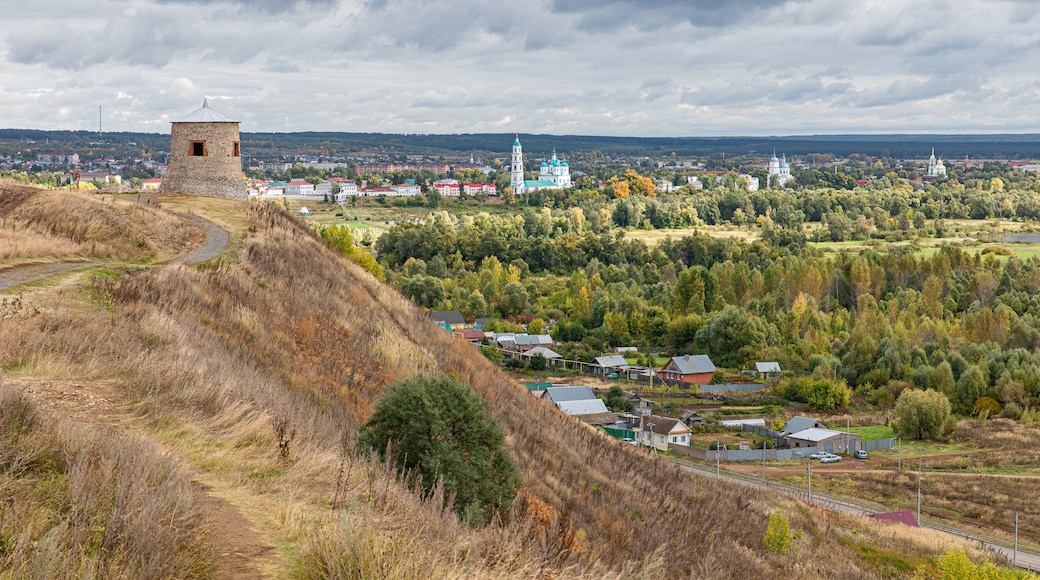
{"type": "Point", "coordinates": [612, 67]}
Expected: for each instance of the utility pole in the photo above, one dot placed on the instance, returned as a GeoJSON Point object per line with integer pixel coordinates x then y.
{"type": "Point", "coordinates": [848, 423]}
{"type": "Point", "coordinates": [718, 469]}
{"type": "Point", "coordinates": [763, 459]}
{"type": "Point", "coordinates": [1014, 557]}
{"type": "Point", "coordinates": [808, 466]}
{"type": "Point", "coordinates": [920, 458]}
{"type": "Point", "coordinates": [899, 454]}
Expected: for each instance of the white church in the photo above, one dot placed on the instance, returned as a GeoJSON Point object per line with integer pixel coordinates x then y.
{"type": "Point", "coordinates": [553, 174]}
{"type": "Point", "coordinates": [779, 172]}
{"type": "Point", "coordinates": [936, 167]}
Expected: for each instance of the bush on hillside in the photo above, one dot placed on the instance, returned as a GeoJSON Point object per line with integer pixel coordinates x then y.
{"type": "Point", "coordinates": [438, 428]}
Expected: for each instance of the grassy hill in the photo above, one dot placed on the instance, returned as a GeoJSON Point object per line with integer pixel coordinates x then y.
{"type": "Point", "coordinates": [137, 439]}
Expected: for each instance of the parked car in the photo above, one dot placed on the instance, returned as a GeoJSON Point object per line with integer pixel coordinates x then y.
{"type": "Point", "coordinates": [819, 455]}
{"type": "Point", "coordinates": [630, 441]}
{"type": "Point", "coordinates": [860, 454]}
{"type": "Point", "coordinates": [830, 458]}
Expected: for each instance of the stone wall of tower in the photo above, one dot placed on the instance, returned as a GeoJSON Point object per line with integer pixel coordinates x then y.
{"type": "Point", "coordinates": [218, 173]}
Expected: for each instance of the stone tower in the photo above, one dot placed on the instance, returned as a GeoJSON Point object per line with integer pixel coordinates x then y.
{"type": "Point", "coordinates": [205, 156]}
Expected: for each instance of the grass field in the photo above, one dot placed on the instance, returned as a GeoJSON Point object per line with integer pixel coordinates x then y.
{"type": "Point", "coordinates": [655, 237]}
{"type": "Point", "coordinates": [873, 432]}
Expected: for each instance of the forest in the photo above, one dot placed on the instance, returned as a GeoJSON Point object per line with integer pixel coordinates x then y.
{"type": "Point", "coordinates": [880, 286]}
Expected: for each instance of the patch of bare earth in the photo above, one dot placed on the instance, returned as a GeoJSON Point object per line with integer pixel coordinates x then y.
{"type": "Point", "coordinates": [240, 551]}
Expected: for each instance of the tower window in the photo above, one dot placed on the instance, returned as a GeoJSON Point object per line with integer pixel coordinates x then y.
{"type": "Point", "coordinates": [236, 150]}
{"type": "Point", "coordinates": [198, 149]}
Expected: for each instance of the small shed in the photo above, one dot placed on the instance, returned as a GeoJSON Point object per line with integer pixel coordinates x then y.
{"type": "Point", "coordinates": [765, 368]}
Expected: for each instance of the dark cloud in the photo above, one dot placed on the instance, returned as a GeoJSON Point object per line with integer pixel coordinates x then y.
{"type": "Point", "coordinates": [657, 13]}
{"type": "Point", "coordinates": [268, 6]}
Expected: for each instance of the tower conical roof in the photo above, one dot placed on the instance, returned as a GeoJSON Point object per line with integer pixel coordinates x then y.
{"type": "Point", "coordinates": [206, 115]}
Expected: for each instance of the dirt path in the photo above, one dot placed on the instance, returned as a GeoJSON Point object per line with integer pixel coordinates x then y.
{"type": "Point", "coordinates": [217, 240]}
{"type": "Point", "coordinates": [240, 551]}
{"type": "Point", "coordinates": [32, 272]}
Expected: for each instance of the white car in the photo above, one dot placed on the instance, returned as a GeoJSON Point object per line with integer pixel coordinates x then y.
{"type": "Point", "coordinates": [830, 458]}
{"type": "Point", "coordinates": [819, 455]}
{"type": "Point", "coordinates": [630, 441]}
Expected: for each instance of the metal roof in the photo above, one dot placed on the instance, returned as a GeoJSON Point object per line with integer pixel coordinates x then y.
{"type": "Point", "coordinates": [614, 360]}
{"type": "Point", "coordinates": [448, 316]}
{"type": "Point", "coordinates": [562, 394]}
{"type": "Point", "coordinates": [694, 364]}
{"type": "Point", "coordinates": [546, 352]}
{"type": "Point", "coordinates": [583, 407]}
{"type": "Point", "coordinates": [205, 115]}
{"type": "Point", "coordinates": [767, 367]}
{"type": "Point", "coordinates": [799, 423]}
{"type": "Point", "coordinates": [816, 435]}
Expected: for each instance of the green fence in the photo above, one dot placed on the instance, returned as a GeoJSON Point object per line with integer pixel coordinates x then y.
{"type": "Point", "coordinates": [619, 433]}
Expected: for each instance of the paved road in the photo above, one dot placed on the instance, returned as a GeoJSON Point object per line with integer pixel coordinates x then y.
{"type": "Point", "coordinates": [1025, 560]}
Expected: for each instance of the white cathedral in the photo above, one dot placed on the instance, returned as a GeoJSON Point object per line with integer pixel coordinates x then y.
{"type": "Point", "coordinates": [553, 174]}
{"type": "Point", "coordinates": [779, 172]}
{"type": "Point", "coordinates": [936, 167]}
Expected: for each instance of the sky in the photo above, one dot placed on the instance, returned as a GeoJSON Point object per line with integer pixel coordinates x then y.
{"type": "Point", "coordinates": [577, 67]}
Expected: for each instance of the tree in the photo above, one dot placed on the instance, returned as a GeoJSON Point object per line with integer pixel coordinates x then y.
{"type": "Point", "coordinates": [972, 385]}
{"type": "Point", "coordinates": [538, 362]}
{"type": "Point", "coordinates": [825, 394]}
{"type": "Point", "coordinates": [615, 401]}
{"type": "Point", "coordinates": [438, 428]}
{"type": "Point", "coordinates": [921, 414]}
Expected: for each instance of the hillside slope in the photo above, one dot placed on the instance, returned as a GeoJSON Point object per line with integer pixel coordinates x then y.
{"type": "Point", "coordinates": [202, 360]}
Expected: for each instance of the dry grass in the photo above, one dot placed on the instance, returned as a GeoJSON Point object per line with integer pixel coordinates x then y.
{"type": "Point", "coordinates": [292, 329]}
{"type": "Point", "coordinates": [46, 224]}
{"type": "Point", "coordinates": [79, 505]}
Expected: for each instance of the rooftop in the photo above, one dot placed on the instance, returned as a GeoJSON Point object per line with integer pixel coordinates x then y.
{"type": "Point", "coordinates": [205, 115]}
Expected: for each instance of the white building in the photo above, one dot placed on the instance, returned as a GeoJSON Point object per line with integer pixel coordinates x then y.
{"type": "Point", "coordinates": [299, 187]}
{"type": "Point", "coordinates": [406, 189]}
{"type": "Point", "coordinates": [779, 172]}
{"type": "Point", "coordinates": [323, 189]}
{"type": "Point", "coordinates": [447, 189]}
{"type": "Point", "coordinates": [552, 174]}
{"type": "Point", "coordinates": [936, 167]}
{"type": "Point", "coordinates": [479, 188]}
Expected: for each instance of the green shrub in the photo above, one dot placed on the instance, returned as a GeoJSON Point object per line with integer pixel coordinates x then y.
{"type": "Point", "coordinates": [438, 429]}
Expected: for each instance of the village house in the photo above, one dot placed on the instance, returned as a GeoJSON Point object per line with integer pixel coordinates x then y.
{"type": "Point", "coordinates": [821, 440]}
{"type": "Point", "coordinates": [690, 368]}
{"type": "Point", "coordinates": [660, 432]}
{"type": "Point", "coordinates": [450, 319]}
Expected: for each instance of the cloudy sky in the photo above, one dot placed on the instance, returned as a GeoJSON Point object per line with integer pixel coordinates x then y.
{"type": "Point", "coordinates": [589, 67]}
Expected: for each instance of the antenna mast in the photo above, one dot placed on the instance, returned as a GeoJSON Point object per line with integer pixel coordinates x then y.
{"type": "Point", "coordinates": [100, 133]}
